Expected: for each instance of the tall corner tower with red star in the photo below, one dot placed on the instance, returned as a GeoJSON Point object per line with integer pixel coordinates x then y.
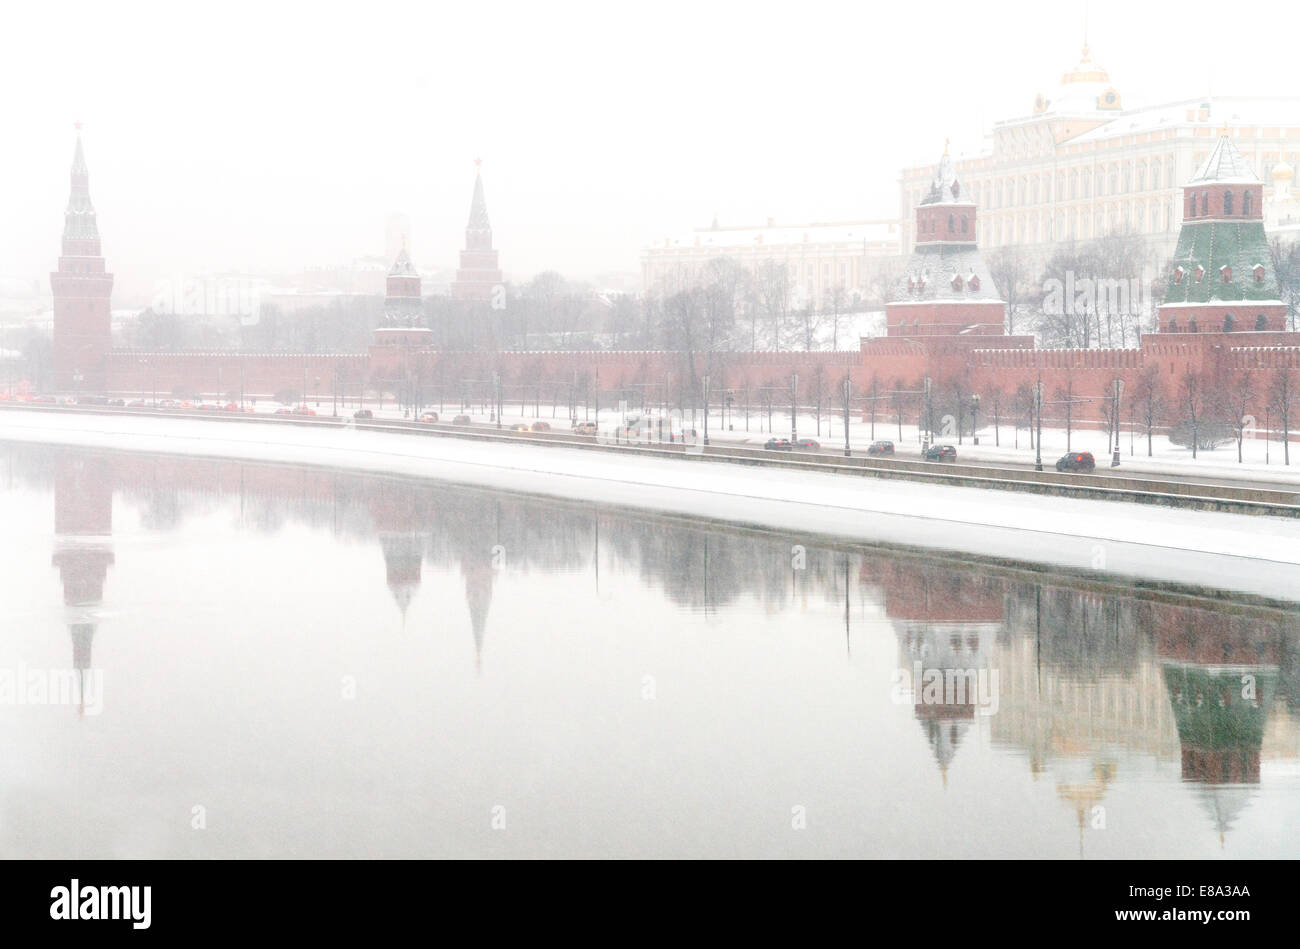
{"type": "Point", "coordinates": [82, 289]}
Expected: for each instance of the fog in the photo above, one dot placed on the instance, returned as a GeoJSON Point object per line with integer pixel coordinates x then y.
{"type": "Point", "coordinates": [260, 138]}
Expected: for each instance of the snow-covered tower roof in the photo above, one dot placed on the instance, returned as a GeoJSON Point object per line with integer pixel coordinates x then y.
{"type": "Point", "coordinates": [1224, 165]}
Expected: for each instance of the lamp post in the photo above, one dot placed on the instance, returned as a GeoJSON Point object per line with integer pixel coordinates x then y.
{"type": "Point", "coordinates": [794, 399]}
{"type": "Point", "coordinates": [848, 388]}
{"type": "Point", "coordinates": [706, 410]}
{"type": "Point", "coordinates": [1114, 413]}
{"type": "Point", "coordinates": [1268, 428]}
{"type": "Point", "coordinates": [1038, 442]}
{"type": "Point", "coordinates": [974, 418]}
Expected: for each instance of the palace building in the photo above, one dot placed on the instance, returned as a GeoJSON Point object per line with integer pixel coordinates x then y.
{"type": "Point", "coordinates": [1080, 165]}
{"type": "Point", "coordinates": [818, 258]}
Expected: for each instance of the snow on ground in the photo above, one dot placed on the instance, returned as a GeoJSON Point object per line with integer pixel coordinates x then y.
{"type": "Point", "coordinates": [1007, 446]}
{"type": "Point", "coordinates": [1254, 555]}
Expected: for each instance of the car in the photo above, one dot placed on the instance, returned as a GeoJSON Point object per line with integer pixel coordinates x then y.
{"type": "Point", "coordinates": [429, 417]}
{"type": "Point", "coordinates": [283, 411]}
{"type": "Point", "coordinates": [304, 410]}
{"type": "Point", "coordinates": [1076, 461]}
{"type": "Point", "coordinates": [940, 453]}
{"type": "Point", "coordinates": [117, 403]}
{"type": "Point", "coordinates": [541, 426]}
{"type": "Point", "coordinates": [882, 447]}
{"type": "Point", "coordinates": [807, 444]}
{"type": "Point", "coordinates": [584, 428]}
{"type": "Point", "coordinates": [778, 444]}
{"type": "Point", "coordinates": [461, 420]}
{"type": "Point", "coordinates": [137, 404]}
{"type": "Point", "coordinates": [46, 400]}
{"type": "Point", "coordinates": [520, 427]}
{"type": "Point", "coordinates": [363, 413]}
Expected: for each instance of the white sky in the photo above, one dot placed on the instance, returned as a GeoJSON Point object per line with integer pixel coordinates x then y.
{"type": "Point", "coordinates": [274, 136]}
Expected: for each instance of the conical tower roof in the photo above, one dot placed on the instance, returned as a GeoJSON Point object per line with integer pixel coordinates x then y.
{"type": "Point", "coordinates": [1225, 165]}
{"type": "Point", "coordinates": [478, 215]}
{"type": "Point", "coordinates": [402, 266]}
{"type": "Point", "coordinates": [79, 218]}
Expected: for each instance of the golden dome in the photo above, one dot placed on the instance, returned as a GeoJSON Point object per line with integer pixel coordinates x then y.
{"type": "Point", "coordinates": [1086, 70]}
{"type": "Point", "coordinates": [1283, 172]}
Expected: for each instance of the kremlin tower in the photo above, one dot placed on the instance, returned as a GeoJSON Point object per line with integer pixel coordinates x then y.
{"type": "Point", "coordinates": [81, 290]}
{"type": "Point", "coordinates": [946, 289]}
{"type": "Point", "coordinates": [403, 318]}
{"type": "Point", "coordinates": [1221, 277]}
{"type": "Point", "coordinates": [479, 272]}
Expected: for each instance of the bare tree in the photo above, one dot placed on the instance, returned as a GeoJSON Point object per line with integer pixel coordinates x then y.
{"type": "Point", "coordinates": [1286, 264]}
{"type": "Point", "coordinates": [1010, 270]}
{"type": "Point", "coordinates": [1238, 398]}
{"type": "Point", "coordinates": [1065, 397]}
{"type": "Point", "coordinates": [773, 298]}
{"type": "Point", "coordinates": [1149, 398]}
{"type": "Point", "coordinates": [1193, 403]}
{"type": "Point", "coordinates": [1281, 396]}
{"type": "Point", "coordinates": [994, 397]}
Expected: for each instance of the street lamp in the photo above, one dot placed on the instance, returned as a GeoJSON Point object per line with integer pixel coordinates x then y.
{"type": "Point", "coordinates": [847, 395]}
{"type": "Point", "coordinates": [706, 410]}
{"type": "Point", "coordinates": [974, 418]}
{"type": "Point", "coordinates": [1038, 442]}
{"type": "Point", "coordinates": [794, 398]}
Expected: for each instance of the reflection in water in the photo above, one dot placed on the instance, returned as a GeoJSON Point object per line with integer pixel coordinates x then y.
{"type": "Point", "coordinates": [1104, 692]}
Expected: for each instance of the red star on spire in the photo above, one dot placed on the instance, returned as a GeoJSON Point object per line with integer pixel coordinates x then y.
{"type": "Point", "coordinates": [77, 125]}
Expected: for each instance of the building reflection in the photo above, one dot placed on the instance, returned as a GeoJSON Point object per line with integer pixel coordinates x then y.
{"type": "Point", "coordinates": [83, 552]}
{"type": "Point", "coordinates": [946, 620]}
{"type": "Point", "coordinates": [1093, 678]}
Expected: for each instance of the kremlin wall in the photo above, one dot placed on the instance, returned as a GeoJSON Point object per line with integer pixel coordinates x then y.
{"type": "Point", "coordinates": [1221, 314]}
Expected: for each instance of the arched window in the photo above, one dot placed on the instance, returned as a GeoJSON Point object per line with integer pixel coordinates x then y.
{"type": "Point", "coordinates": [1227, 203]}
{"type": "Point", "coordinates": [1205, 204]}
{"type": "Point", "coordinates": [964, 222]}
{"type": "Point", "coordinates": [1246, 203]}
{"type": "Point", "coordinates": [1173, 324]}
{"type": "Point", "coordinates": [950, 224]}
{"type": "Point", "coordinates": [1261, 323]}
{"type": "Point", "coordinates": [1191, 326]}
{"type": "Point", "coordinates": [1229, 323]}
{"type": "Point", "coordinates": [1191, 204]}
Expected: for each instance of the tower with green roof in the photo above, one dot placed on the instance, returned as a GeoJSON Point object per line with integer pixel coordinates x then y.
{"type": "Point", "coordinates": [1221, 277]}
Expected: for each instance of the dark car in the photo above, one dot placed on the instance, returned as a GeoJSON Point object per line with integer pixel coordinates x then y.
{"type": "Point", "coordinates": [779, 444]}
{"type": "Point", "coordinates": [807, 444]}
{"type": "Point", "coordinates": [940, 453]}
{"type": "Point", "coordinates": [363, 413]}
{"type": "Point", "coordinates": [541, 426]}
{"type": "Point", "coordinates": [429, 417]}
{"type": "Point", "coordinates": [461, 420]}
{"type": "Point", "coordinates": [881, 448]}
{"type": "Point", "coordinates": [1077, 461]}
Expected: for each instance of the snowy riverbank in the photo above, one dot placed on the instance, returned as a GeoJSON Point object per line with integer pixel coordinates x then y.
{"type": "Point", "coordinates": [1251, 555]}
